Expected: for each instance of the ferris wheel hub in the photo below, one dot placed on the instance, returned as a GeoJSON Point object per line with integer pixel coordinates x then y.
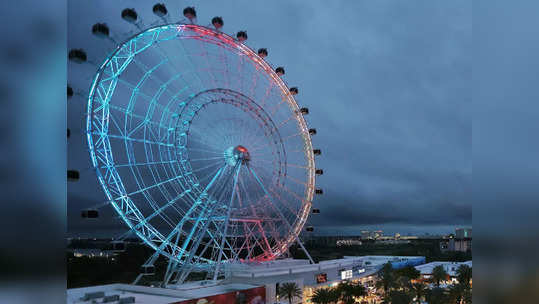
{"type": "Point", "coordinates": [233, 155]}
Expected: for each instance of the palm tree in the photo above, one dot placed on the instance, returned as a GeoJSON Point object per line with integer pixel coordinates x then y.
{"type": "Point", "coordinates": [347, 292]}
{"type": "Point", "coordinates": [325, 296]}
{"type": "Point", "coordinates": [464, 276]}
{"type": "Point", "coordinates": [386, 277]}
{"type": "Point", "coordinates": [439, 274]}
{"type": "Point", "coordinates": [436, 296]}
{"type": "Point", "coordinates": [408, 271]}
{"type": "Point", "coordinates": [454, 294]}
{"type": "Point", "coordinates": [467, 296]}
{"type": "Point", "coordinates": [404, 283]}
{"type": "Point", "coordinates": [289, 291]}
{"type": "Point", "coordinates": [419, 291]}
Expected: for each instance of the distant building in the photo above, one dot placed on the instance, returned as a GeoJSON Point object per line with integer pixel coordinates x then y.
{"type": "Point", "coordinates": [462, 241]}
{"type": "Point", "coordinates": [93, 253]}
{"type": "Point", "coordinates": [365, 235]}
{"type": "Point", "coordinates": [463, 233]}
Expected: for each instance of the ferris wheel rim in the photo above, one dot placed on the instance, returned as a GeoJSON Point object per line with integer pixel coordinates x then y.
{"type": "Point", "coordinates": [301, 219]}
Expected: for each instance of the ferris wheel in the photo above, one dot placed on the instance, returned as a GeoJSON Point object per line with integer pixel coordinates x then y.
{"type": "Point", "coordinates": [201, 147]}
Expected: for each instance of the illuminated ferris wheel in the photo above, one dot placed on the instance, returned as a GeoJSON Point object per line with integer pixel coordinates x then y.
{"type": "Point", "coordinates": [201, 148]}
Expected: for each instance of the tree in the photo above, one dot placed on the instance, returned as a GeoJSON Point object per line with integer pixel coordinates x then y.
{"type": "Point", "coordinates": [386, 277]}
{"type": "Point", "coordinates": [439, 274]}
{"type": "Point", "coordinates": [289, 291]}
{"type": "Point", "coordinates": [436, 296]}
{"type": "Point", "coordinates": [404, 283]}
{"type": "Point", "coordinates": [325, 296]}
{"type": "Point", "coordinates": [347, 292]}
{"type": "Point", "coordinates": [409, 271]}
{"type": "Point", "coordinates": [398, 297]}
{"type": "Point", "coordinates": [464, 276]}
{"type": "Point", "coordinates": [467, 296]}
{"type": "Point", "coordinates": [454, 294]}
{"type": "Point", "coordinates": [419, 291]}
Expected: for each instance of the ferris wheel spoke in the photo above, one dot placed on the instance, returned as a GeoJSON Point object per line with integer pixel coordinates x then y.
{"type": "Point", "coordinates": [205, 150]}
{"type": "Point", "coordinates": [140, 164]}
{"type": "Point", "coordinates": [203, 143]}
{"type": "Point", "coordinates": [122, 137]}
{"type": "Point", "coordinates": [270, 198]}
{"type": "Point", "coordinates": [205, 52]}
{"type": "Point", "coordinates": [296, 181]}
{"type": "Point", "coordinates": [295, 195]}
{"type": "Point", "coordinates": [204, 159]}
{"type": "Point", "coordinates": [204, 202]}
{"type": "Point", "coordinates": [204, 228]}
{"type": "Point", "coordinates": [213, 164]}
{"type": "Point", "coordinates": [287, 206]}
{"type": "Point", "coordinates": [190, 61]}
{"type": "Point", "coordinates": [158, 211]}
{"type": "Point", "coordinates": [289, 119]}
{"type": "Point", "coordinates": [292, 136]}
{"type": "Point", "coordinates": [277, 106]}
{"type": "Point", "coordinates": [265, 239]}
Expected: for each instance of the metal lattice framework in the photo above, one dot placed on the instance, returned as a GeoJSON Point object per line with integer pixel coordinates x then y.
{"type": "Point", "coordinates": [200, 148]}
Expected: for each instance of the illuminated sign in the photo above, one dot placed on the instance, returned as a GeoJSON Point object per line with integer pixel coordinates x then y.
{"type": "Point", "coordinates": [346, 274]}
{"type": "Point", "coordinates": [358, 269]}
{"type": "Point", "coordinates": [321, 278]}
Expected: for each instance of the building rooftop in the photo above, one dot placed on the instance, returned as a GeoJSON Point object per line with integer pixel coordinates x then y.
{"type": "Point", "coordinates": [156, 295]}
{"type": "Point", "coordinates": [450, 267]}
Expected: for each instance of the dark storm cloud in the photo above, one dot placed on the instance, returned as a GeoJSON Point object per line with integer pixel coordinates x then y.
{"type": "Point", "coordinates": [388, 86]}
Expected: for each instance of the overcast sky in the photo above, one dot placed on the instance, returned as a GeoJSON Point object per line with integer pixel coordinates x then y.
{"type": "Point", "coordinates": [388, 85]}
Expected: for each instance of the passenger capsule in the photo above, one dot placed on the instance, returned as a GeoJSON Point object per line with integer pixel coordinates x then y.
{"type": "Point", "coordinates": [309, 229]}
{"type": "Point", "coordinates": [100, 30]}
{"type": "Point", "coordinates": [304, 111]}
{"type": "Point", "coordinates": [77, 55]}
{"type": "Point", "coordinates": [319, 191]}
{"type": "Point", "coordinates": [160, 10]}
{"type": "Point", "coordinates": [130, 15]}
{"type": "Point", "coordinates": [263, 52]}
{"type": "Point", "coordinates": [73, 175]}
{"type": "Point", "coordinates": [319, 172]}
{"type": "Point", "coordinates": [294, 91]}
{"type": "Point", "coordinates": [317, 152]}
{"type": "Point", "coordinates": [217, 22]}
{"type": "Point", "coordinates": [242, 36]}
{"type": "Point", "coordinates": [89, 213]}
{"type": "Point", "coordinates": [312, 131]}
{"type": "Point", "coordinates": [190, 13]}
{"type": "Point", "coordinates": [316, 211]}
{"type": "Point", "coordinates": [279, 71]}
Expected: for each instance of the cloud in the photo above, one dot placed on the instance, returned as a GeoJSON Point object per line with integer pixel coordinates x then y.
{"type": "Point", "coordinates": [388, 87]}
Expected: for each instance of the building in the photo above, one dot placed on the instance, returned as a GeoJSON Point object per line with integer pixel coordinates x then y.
{"type": "Point", "coordinates": [462, 241]}
{"type": "Point", "coordinates": [371, 235]}
{"type": "Point", "coordinates": [191, 293]}
{"type": "Point", "coordinates": [365, 235]}
{"type": "Point", "coordinates": [255, 281]}
{"type": "Point", "coordinates": [93, 253]}
{"type": "Point", "coordinates": [463, 233]}
{"type": "Point", "coordinates": [449, 267]}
